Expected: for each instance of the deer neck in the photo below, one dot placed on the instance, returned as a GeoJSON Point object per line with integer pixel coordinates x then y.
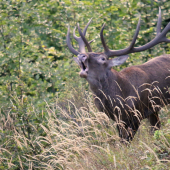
{"type": "Point", "coordinates": [110, 84]}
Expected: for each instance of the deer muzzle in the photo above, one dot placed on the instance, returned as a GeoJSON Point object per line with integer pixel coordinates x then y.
{"type": "Point", "coordinates": [83, 65]}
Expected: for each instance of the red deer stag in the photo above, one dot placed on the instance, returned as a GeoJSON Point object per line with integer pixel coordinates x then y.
{"type": "Point", "coordinates": [133, 94]}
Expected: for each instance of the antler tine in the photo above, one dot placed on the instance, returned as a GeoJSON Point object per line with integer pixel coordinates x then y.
{"type": "Point", "coordinates": [85, 29]}
{"type": "Point", "coordinates": [158, 30]}
{"type": "Point", "coordinates": [166, 29]}
{"type": "Point", "coordinates": [135, 35]}
{"type": "Point", "coordinates": [164, 32]}
{"type": "Point", "coordinates": [84, 39]}
{"type": "Point", "coordinates": [69, 42]}
{"type": "Point", "coordinates": [80, 40]}
{"type": "Point", "coordinates": [91, 41]}
{"type": "Point", "coordinates": [106, 49]}
{"type": "Point", "coordinates": [160, 37]}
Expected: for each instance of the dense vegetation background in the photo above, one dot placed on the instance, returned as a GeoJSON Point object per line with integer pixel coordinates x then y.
{"type": "Point", "coordinates": [47, 117]}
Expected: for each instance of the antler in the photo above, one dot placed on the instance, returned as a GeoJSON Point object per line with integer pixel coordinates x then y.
{"type": "Point", "coordinates": [160, 37]}
{"type": "Point", "coordinates": [81, 40]}
{"type": "Point", "coordinates": [84, 39]}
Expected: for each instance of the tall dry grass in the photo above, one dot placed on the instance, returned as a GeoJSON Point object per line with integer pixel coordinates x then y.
{"type": "Point", "coordinates": [79, 137]}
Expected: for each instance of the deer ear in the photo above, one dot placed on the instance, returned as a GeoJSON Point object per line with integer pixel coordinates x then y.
{"type": "Point", "coordinates": [118, 60]}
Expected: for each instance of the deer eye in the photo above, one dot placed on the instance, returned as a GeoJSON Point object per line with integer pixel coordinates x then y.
{"type": "Point", "coordinates": [103, 59]}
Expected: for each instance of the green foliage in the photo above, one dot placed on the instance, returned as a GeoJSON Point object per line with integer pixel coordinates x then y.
{"type": "Point", "coordinates": [34, 59]}
{"type": "Point", "coordinates": [36, 66]}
